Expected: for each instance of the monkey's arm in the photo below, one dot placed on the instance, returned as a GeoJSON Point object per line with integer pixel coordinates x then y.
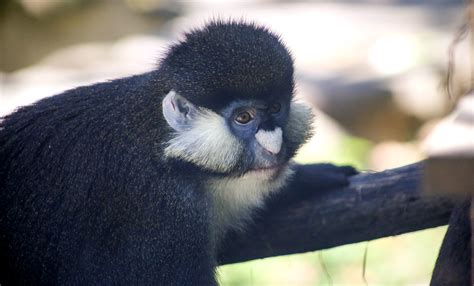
{"type": "Point", "coordinates": [324, 177]}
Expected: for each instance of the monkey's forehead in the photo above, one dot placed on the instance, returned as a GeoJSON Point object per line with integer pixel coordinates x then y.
{"type": "Point", "coordinates": [227, 60]}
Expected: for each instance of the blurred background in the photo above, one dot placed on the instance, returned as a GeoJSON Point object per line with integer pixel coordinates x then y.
{"type": "Point", "coordinates": [375, 72]}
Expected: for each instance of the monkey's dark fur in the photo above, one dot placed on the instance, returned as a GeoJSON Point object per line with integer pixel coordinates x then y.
{"type": "Point", "coordinates": [84, 192]}
{"type": "Point", "coordinates": [86, 196]}
{"type": "Point", "coordinates": [222, 69]}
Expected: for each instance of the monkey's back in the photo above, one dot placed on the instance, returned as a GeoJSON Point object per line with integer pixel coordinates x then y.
{"type": "Point", "coordinates": [85, 196]}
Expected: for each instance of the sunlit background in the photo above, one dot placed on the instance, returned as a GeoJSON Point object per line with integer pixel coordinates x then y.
{"type": "Point", "coordinates": [373, 70]}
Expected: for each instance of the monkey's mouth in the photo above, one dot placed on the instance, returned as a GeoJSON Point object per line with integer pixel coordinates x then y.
{"type": "Point", "coordinates": [273, 170]}
{"type": "Point", "coordinates": [269, 168]}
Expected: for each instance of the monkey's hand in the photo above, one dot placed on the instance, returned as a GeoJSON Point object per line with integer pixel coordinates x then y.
{"type": "Point", "coordinates": [312, 180]}
{"type": "Point", "coordinates": [321, 177]}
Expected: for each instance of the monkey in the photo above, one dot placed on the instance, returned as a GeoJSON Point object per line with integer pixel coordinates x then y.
{"type": "Point", "coordinates": [137, 180]}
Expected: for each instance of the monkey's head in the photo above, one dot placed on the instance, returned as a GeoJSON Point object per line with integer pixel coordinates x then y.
{"type": "Point", "coordinates": [230, 103]}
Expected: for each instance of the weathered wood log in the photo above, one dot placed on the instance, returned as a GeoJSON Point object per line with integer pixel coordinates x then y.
{"type": "Point", "coordinates": [374, 205]}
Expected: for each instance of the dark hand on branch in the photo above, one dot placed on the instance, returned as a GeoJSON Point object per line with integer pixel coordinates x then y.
{"type": "Point", "coordinates": [312, 180]}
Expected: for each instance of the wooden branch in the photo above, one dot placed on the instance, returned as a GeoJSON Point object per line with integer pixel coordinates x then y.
{"type": "Point", "coordinates": [375, 205]}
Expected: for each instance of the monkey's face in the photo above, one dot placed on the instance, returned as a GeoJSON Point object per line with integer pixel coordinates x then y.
{"type": "Point", "coordinates": [247, 136]}
{"type": "Point", "coordinates": [258, 126]}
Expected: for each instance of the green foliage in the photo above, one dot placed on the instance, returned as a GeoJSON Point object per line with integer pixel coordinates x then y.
{"type": "Point", "coordinates": [352, 151]}
{"type": "Point", "coordinates": [348, 150]}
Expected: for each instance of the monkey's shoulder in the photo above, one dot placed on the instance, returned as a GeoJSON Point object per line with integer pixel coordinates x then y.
{"type": "Point", "coordinates": [119, 114]}
{"type": "Point", "coordinates": [102, 102]}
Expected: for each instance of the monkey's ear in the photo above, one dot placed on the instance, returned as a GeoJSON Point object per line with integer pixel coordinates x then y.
{"type": "Point", "coordinates": [178, 111]}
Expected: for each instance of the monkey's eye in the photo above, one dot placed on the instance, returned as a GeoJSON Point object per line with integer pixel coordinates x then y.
{"type": "Point", "coordinates": [275, 108]}
{"type": "Point", "coordinates": [243, 117]}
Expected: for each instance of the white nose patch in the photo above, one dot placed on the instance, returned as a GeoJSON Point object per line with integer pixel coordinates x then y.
{"type": "Point", "coordinates": [270, 140]}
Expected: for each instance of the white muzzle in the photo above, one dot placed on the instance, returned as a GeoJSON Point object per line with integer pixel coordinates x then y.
{"type": "Point", "coordinates": [270, 140]}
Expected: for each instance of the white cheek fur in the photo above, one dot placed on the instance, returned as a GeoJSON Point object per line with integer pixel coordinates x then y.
{"type": "Point", "coordinates": [298, 129]}
{"type": "Point", "coordinates": [208, 143]}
